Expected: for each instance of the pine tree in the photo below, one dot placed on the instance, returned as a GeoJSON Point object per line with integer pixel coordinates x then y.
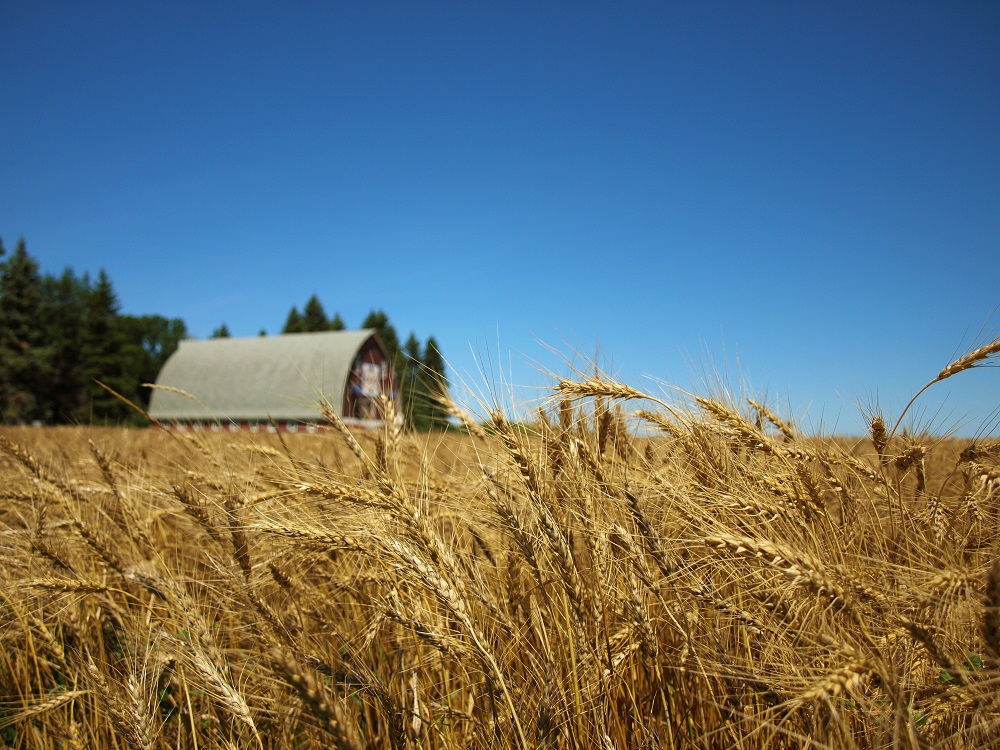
{"type": "Point", "coordinates": [25, 361]}
{"type": "Point", "coordinates": [151, 339]}
{"type": "Point", "coordinates": [293, 324]}
{"type": "Point", "coordinates": [437, 384]}
{"type": "Point", "coordinates": [337, 324]}
{"type": "Point", "coordinates": [314, 316]}
{"type": "Point", "coordinates": [103, 354]}
{"type": "Point", "coordinates": [65, 300]}
{"type": "Point", "coordinates": [378, 320]}
{"type": "Point", "coordinates": [222, 332]}
{"type": "Point", "coordinates": [59, 335]}
{"type": "Point", "coordinates": [411, 385]}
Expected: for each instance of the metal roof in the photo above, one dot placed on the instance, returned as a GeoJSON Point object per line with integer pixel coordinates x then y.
{"type": "Point", "coordinates": [281, 377]}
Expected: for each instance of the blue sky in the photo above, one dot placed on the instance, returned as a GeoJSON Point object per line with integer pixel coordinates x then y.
{"type": "Point", "coordinates": [803, 196]}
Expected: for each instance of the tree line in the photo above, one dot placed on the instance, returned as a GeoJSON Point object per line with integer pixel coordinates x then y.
{"type": "Point", "coordinates": [62, 335]}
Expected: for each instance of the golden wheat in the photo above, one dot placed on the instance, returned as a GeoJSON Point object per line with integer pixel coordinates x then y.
{"type": "Point", "coordinates": [558, 583]}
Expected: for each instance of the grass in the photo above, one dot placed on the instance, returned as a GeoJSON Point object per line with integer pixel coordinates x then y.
{"type": "Point", "coordinates": [618, 573]}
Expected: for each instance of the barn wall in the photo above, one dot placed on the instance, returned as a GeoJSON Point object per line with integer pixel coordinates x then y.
{"type": "Point", "coordinates": [371, 375]}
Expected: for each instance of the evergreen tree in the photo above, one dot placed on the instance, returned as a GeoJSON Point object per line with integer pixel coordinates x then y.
{"type": "Point", "coordinates": [437, 384]}
{"type": "Point", "coordinates": [59, 335]}
{"type": "Point", "coordinates": [378, 320]}
{"type": "Point", "coordinates": [65, 300]}
{"type": "Point", "coordinates": [314, 316]}
{"type": "Point", "coordinates": [151, 339]}
{"type": "Point", "coordinates": [25, 361]}
{"type": "Point", "coordinates": [411, 385]}
{"type": "Point", "coordinates": [337, 324]}
{"type": "Point", "coordinates": [222, 332]}
{"type": "Point", "coordinates": [293, 324]}
{"type": "Point", "coordinates": [422, 383]}
{"type": "Point", "coordinates": [103, 353]}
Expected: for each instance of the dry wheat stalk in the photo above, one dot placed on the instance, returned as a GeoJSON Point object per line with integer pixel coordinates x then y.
{"type": "Point", "coordinates": [447, 643]}
{"type": "Point", "coordinates": [332, 717]}
{"type": "Point", "coordinates": [305, 532]}
{"type": "Point", "coordinates": [844, 681]}
{"type": "Point", "coordinates": [783, 427]}
{"type": "Point", "coordinates": [719, 602]}
{"type": "Point", "coordinates": [417, 527]}
{"type": "Point", "coordinates": [991, 614]}
{"type": "Point", "coordinates": [134, 525]}
{"type": "Point", "coordinates": [650, 538]}
{"type": "Point", "coordinates": [198, 511]}
{"type": "Point", "coordinates": [988, 476]}
{"type": "Point", "coordinates": [880, 438]}
{"type": "Point", "coordinates": [667, 426]}
{"type": "Point", "coordinates": [597, 388]}
{"type": "Point", "coordinates": [637, 614]}
{"type": "Point", "coordinates": [925, 636]}
{"type": "Point", "coordinates": [730, 418]}
{"type": "Point", "coordinates": [470, 424]}
{"type": "Point", "coordinates": [221, 686]}
{"type": "Point", "coordinates": [40, 707]}
{"type": "Point", "coordinates": [131, 718]}
{"type": "Point", "coordinates": [797, 566]}
{"type": "Point", "coordinates": [238, 535]}
{"type": "Point", "coordinates": [945, 588]}
{"type": "Point", "coordinates": [967, 361]}
{"type": "Point", "coordinates": [356, 495]}
{"type": "Point", "coordinates": [544, 725]}
{"type": "Point", "coordinates": [331, 416]}
{"type": "Point", "coordinates": [23, 457]}
{"type": "Point", "coordinates": [68, 585]}
{"type": "Point", "coordinates": [513, 525]}
{"type": "Point", "coordinates": [453, 602]}
{"type": "Point", "coordinates": [55, 646]}
{"type": "Point", "coordinates": [102, 545]}
{"type": "Point", "coordinates": [139, 698]}
{"type": "Point", "coordinates": [517, 453]}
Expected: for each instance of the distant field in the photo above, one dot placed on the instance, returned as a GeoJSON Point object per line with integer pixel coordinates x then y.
{"type": "Point", "coordinates": [692, 576]}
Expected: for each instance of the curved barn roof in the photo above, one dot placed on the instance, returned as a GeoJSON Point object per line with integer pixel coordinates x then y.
{"type": "Point", "coordinates": [281, 377]}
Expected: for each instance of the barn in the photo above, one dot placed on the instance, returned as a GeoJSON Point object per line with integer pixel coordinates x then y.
{"type": "Point", "coordinates": [274, 382]}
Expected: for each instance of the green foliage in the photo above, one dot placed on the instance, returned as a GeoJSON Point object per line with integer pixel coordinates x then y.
{"type": "Point", "coordinates": [104, 352]}
{"type": "Point", "coordinates": [293, 323]}
{"type": "Point", "coordinates": [312, 318]}
{"type": "Point", "coordinates": [64, 323]}
{"type": "Point", "coordinates": [59, 336]}
{"type": "Point", "coordinates": [422, 382]}
{"type": "Point", "coordinates": [158, 338]}
{"type": "Point", "coordinates": [24, 358]}
{"type": "Point", "coordinates": [972, 664]}
{"type": "Point", "coordinates": [437, 383]}
{"type": "Point", "coordinates": [222, 332]}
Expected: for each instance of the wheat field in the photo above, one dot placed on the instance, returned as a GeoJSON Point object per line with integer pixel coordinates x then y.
{"type": "Point", "coordinates": [614, 572]}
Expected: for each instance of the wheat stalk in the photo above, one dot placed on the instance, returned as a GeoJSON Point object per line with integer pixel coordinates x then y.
{"type": "Point", "coordinates": [320, 703]}
{"type": "Point", "coordinates": [844, 681]}
{"type": "Point", "coordinates": [967, 361]}
{"type": "Point", "coordinates": [991, 614]}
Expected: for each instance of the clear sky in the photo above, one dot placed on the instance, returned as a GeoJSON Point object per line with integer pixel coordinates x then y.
{"type": "Point", "coordinates": [805, 195]}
